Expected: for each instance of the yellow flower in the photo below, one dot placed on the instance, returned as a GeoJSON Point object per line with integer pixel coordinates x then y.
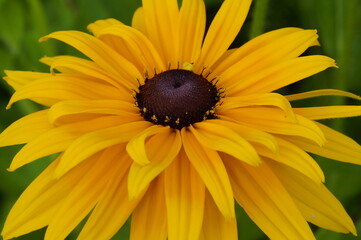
{"type": "Point", "coordinates": [170, 127]}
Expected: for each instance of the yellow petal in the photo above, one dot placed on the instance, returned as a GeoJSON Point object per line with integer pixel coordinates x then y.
{"type": "Point", "coordinates": [138, 21]}
{"type": "Point", "coordinates": [37, 205]}
{"type": "Point", "coordinates": [25, 129]}
{"type": "Point", "coordinates": [223, 139]}
{"type": "Point", "coordinates": [136, 145]}
{"type": "Point", "coordinates": [338, 146]}
{"type": "Point", "coordinates": [295, 158]}
{"type": "Point", "coordinates": [273, 120]}
{"type": "Point", "coordinates": [70, 64]}
{"type": "Point", "coordinates": [261, 99]}
{"type": "Point", "coordinates": [161, 150]}
{"type": "Point", "coordinates": [58, 139]}
{"type": "Point", "coordinates": [65, 109]}
{"type": "Point", "coordinates": [84, 194]}
{"type": "Point", "coordinates": [320, 93]}
{"type": "Point", "coordinates": [289, 46]}
{"type": "Point", "coordinates": [113, 207]}
{"type": "Point", "coordinates": [18, 79]}
{"type": "Point", "coordinates": [257, 48]}
{"type": "Point", "coordinates": [316, 202]}
{"type": "Point", "coordinates": [222, 31]}
{"type": "Point", "coordinates": [161, 22]}
{"type": "Point", "coordinates": [184, 195]}
{"type": "Point", "coordinates": [97, 26]}
{"type": "Point", "coordinates": [192, 23]}
{"type": "Point", "coordinates": [60, 87]}
{"type": "Point", "coordinates": [280, 75]}
{"type": "Point", "coordinates": [142, 52]}
{"type": "Point", "coordinates": [210, 167]}
{"type": "Point", "coordinates": [266, 201]}
{"type": "Point", "coordinates": [327, 112]}
{"type": "Point", "coordinates": [93, 142]}
{"type": "Point", "coordinates": [215, 226]}
{"type": "Point", "coordinates": [27, 214]}
{"type": "Point", "coordinates": [101, 54]}
{"type": "Point", "coordinates": [149, 219]}
{"type": "Point", "coordinates": [250, 134]}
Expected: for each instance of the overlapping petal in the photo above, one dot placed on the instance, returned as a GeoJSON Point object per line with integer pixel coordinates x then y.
{"type": "Point", "coordinates": [316, 202]}
{"type": "Point", "coordinates": [274, 121]}
{"type": "Point", "coordinates": [101, 54]}
{"type": "Point", "coordinates": [327, 112]}
{"type": "Point", "coordinates": [184, 195]}
{"type": "Point", "coordinates": [159, 159]}
{"type": "Point", "coordinates": [258, 48]}
{"type": "Point", "coordinates": [113, 207]}
{"type": "Point", "coordinates": [150, 215]}
{"type": "Point", "coordinates": [59, 139]}
{"type": "Point", "coordinates": [18, 79]}
{"type": "Point", "coordinates": [60, 87]}
{"type": "Point", "coordinates": [192, 23]}
{"type": "Point", "coordinates": [338, 146]}
{"type": "Point", "coordinates": [267, 202]}
{"type": "Point", "coordinates": [93, 142]}
{"type": "Point", "coordinates": [221, 33]}
{"type": "Point", "coordinates": [25, 129]}
{"type": "Point", "coordinates": [162, 27]}
{"type": "Point", "coordinates": [215, 226]}
{"type": "Point", "coordinates": [223, 139]}
{"type": "Point", "coordinates": [210, 168]}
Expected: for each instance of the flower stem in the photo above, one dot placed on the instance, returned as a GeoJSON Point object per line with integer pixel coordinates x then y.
{"type": "Point", "coordinates": [259, 15]}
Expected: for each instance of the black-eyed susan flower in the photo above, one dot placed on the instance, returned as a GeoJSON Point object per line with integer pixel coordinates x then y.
{"type": "Point", "coordinates": [171, 128]}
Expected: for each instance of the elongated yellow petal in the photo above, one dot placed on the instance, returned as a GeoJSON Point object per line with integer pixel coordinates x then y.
{"type": "Point", "coordinates": [316, 202]}
{"type": "Point", "coordinates": [320, 93]}
{"type": "Point", "coordinates": [59, 87]}
{"type": "Point", "coordinates": [25, 129]}
{"type": "Point", "coordinates": [84, 195]}
{"type": "Point", "coordinates": [38, 204]}
{"type": "Point", "coordinates": [161, 150]}
{"type": "Point", "coordinates": [290, 45]}
{"type": "Point", "coordinates": [338, 146]}
{"type": "Point", "coordinates": [58, 139]}
{"type": "Point", "coordinates": [223, 139]}
{"type": "Point", "coordinates": [20, 220]}
{"type": "Point", "coordinates": [101, 54]}
{"type": "Point", "coordinates": [280, 75]}
{"type": "Point", "coordinates": [63, 109]}
{"type": "Point", "coordinates": [212, 171]}
{"type": "Point", "coordinates": [192, 23]}
{"type": "Point", "coordinates": [258, 48]}
{"type": "Point", "coordinates": [184, 195]}
{"type": "Point", "coordinates": [250, 134]}
{"type": "Point", "coordinates": [136, 145]}
{"type": "Point", "coordinates": [162, 27]}
{"type": "Point", "coordinates": [266, 201]}
{"type": "Point", "coordinates": [113, 207]}
{"type": "Point", "coordinates": [224, 28]}
{"type": "Point", "coordinates": [318, 113]}
{"type": "Point", "coordinates": [262, 99]}
{"type": "Point", "coordinates": [273, 120]}
{"type": "Point", "coordinates": [70, 64]}
{"type": "Point", "coordinates": [93, 142]}
{"type": "Point", "coordinates": [18, 79]}
{"type": "Point", "coordinates": [138, 21]}
{"type": "Point", "coordinates": [295, 158]}
{"type": "Point", "coordinates": [215, 226]}
{"type": "Point", "coordinates": [149, 219]}
{"type": "Point", "coordinates": [144, 55]}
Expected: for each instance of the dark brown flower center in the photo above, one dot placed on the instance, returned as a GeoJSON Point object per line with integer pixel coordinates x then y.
{"type": "Point", "coordinates": [177, 98]}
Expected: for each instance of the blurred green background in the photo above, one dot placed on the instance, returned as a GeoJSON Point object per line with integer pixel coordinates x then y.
{"type": "Point", "coordinates": [23, 22]}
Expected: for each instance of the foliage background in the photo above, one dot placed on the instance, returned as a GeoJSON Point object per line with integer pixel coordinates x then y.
{"type": "Point", "coordinates": [23, 22]}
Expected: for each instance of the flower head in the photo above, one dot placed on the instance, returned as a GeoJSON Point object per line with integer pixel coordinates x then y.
{"type": "Point", "coordinates": [168, 126]}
